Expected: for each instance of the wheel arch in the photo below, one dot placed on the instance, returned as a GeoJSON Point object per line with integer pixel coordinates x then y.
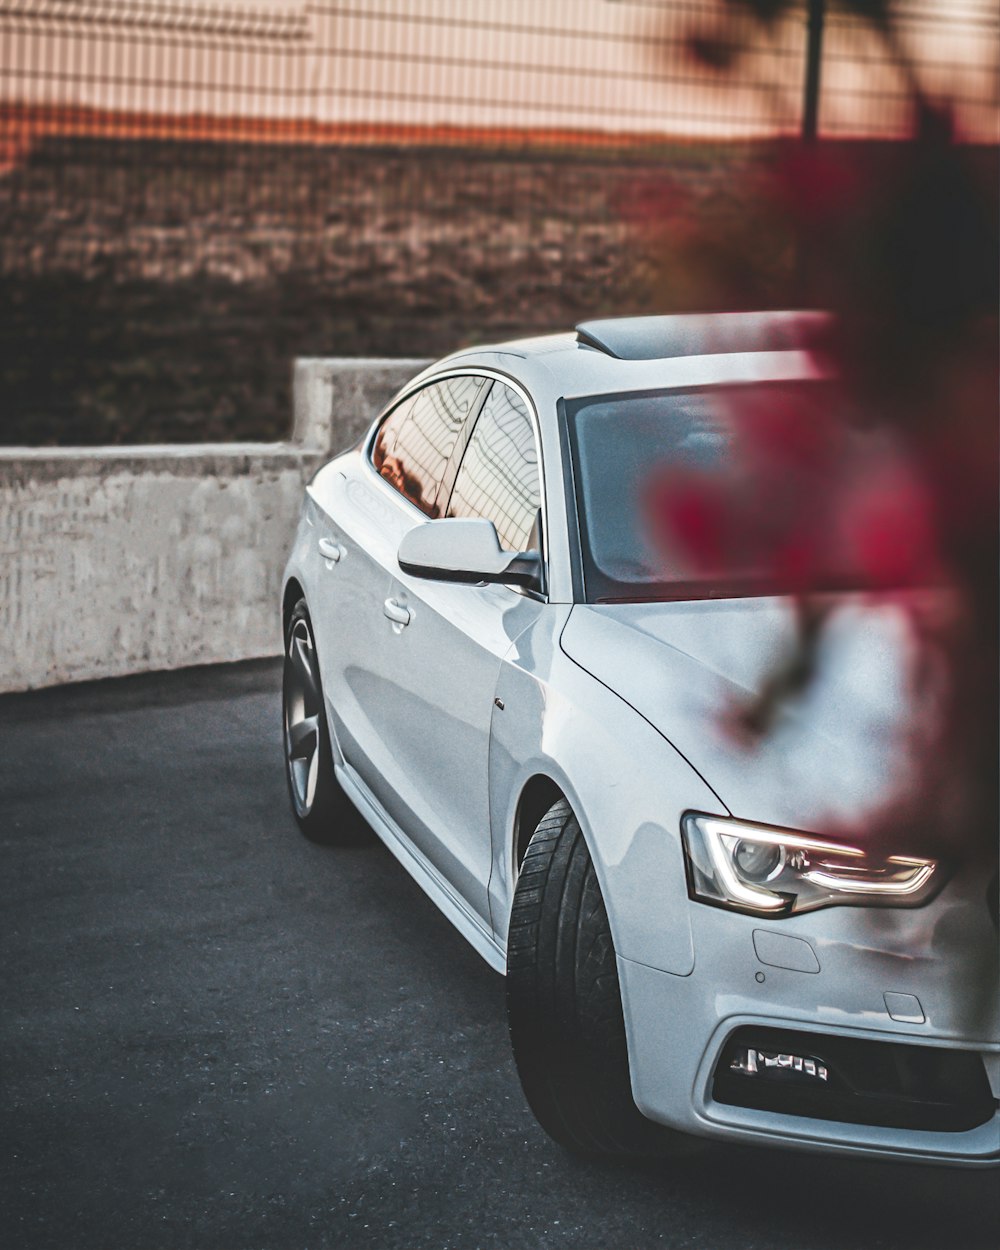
{"type": "Point", "coordinates": [538, 794]}
{"type": "Point", "coordinates": [562, 734]}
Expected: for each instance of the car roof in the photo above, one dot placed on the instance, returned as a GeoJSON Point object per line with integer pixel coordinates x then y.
{"type": "Point", "coordinates": [642, 353]}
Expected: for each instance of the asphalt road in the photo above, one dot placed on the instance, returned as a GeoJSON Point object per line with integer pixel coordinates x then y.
{"type": "Point", "coordinates": [217, 1035]}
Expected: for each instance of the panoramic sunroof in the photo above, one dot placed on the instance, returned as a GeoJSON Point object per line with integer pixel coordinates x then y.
{"type": "Point", "coordinates": [700, 334]}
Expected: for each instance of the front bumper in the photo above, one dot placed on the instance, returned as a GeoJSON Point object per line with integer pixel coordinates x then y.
{"type": "Point", "coordinates": [830, 978]}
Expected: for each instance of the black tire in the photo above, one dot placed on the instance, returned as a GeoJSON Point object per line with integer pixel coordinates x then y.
{"type": "Point", "coordinates": [321, 808]}
{"type": "Point", "coordinates": [564, 1005]}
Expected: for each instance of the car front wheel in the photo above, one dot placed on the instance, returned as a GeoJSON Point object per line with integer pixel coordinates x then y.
{"type": "Point", "coordinates": [564, 1002]}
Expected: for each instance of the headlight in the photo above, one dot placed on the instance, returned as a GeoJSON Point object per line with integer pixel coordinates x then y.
{"type": "Point", "coordinates": [773, 872]}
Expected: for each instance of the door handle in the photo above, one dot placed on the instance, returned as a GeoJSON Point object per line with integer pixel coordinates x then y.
{"type": "Point", "coordinates": [396, 613]}
{"type": "Point", "coordinates": [330, 550]}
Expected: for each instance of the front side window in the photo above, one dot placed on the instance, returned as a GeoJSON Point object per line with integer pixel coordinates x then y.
{"type": "Point", "coordinates": [416, 441]}
{"type": "Point", "coordinates": [498, 478]}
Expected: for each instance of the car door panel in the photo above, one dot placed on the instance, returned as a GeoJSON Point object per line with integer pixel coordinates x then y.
{"type": "Point", "coordinates": [410, 705]}
{"type": "Point", "coordinates": [410, 665]}
{"type": "Point", "coordinates": [364, 519]}
{"type": "Point", "coordinates": [441, 672]}
{"type": "Point", "coordinates": [363, 507]}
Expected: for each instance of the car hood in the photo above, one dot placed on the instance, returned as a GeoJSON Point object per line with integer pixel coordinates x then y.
{"type": "Point", "coordinates": [837, 752]}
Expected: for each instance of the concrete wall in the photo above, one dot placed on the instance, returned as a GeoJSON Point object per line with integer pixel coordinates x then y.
{"type": "Point", "coordinates": [120, 560]}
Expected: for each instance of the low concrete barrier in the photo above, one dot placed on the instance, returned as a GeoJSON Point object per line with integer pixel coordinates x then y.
{"type": "Point", "coordinates": [118, 560]}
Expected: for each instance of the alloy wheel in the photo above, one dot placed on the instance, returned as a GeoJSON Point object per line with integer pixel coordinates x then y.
{"type": "Point", "coordinates": [303, 713]}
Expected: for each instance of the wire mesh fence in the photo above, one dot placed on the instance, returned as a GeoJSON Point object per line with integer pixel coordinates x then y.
{"type": "Point", "coordinates": [193, 192]}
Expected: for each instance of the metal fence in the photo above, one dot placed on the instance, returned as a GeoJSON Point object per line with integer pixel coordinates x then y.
{"type": "Point", "coordinates": [607, 71]}
{"type": "Point", "coordinates": [186, 183]}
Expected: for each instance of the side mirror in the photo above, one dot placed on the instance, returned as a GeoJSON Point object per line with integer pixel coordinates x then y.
{"type": "Point", "coordinates": [457, 549]}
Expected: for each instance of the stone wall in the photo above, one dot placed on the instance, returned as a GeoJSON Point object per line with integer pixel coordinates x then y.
{"type": "Point", "coordinates": [123, 560]}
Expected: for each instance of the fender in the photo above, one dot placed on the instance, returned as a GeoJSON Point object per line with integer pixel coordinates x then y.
{"type": "Point", "coordinates": [629, 789]}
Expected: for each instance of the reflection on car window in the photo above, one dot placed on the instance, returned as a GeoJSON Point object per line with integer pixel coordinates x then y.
{"type": "Point", "coordinates": [499, 474]}
{"type": "Point", "coordinates": [622, 444]}
{"type": "Point", "coordinates": [416, 440]}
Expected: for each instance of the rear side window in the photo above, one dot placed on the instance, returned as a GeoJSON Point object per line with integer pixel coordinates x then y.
{"type": "Point", "coordinates": [417, 439]}
{"type": "Point", "coordinates": [498, 478]}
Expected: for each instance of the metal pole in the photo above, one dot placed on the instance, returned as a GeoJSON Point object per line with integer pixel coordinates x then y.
{"type": "Point", "coordinates": [814, 57]}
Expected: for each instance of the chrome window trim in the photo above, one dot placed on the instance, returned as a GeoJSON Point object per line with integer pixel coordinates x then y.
{"type": "Point", "coordinates": [494, 375]}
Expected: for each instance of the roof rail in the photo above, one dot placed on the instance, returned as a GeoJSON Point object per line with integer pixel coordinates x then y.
{"type": "Point", "coordinates": [702, 334]}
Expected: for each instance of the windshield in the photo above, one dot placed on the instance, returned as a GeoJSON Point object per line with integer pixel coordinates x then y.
{"type": "Point", "coordinates": [730, 491]}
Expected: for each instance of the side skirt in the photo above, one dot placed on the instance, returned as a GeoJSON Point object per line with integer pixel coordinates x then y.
{"type": "Point", "coordinates": [425, 875]}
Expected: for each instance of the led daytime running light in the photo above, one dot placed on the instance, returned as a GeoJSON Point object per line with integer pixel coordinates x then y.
{"type": "Point", "coordinates": [809, 873]}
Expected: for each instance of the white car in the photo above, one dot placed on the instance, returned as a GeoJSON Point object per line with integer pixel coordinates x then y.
{"type": "Point", "coordinates": [486, 657]}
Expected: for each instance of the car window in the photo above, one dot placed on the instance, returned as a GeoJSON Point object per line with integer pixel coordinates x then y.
{"type": "Point", "coordinates": [416, 441]}
{"type": "Point", "coordinates": [498, 477]}
{"type": "Point", "coordinates": [701, 444]}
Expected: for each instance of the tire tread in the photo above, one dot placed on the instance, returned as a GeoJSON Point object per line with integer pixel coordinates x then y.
{"type": "Point", "coordinates": [564, 1000]}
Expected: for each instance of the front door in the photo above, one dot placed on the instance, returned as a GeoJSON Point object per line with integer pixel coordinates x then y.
{"type": "Point", "coordinates": [411, 664]}
{"type": "Point", "coordinates": [447, 647]}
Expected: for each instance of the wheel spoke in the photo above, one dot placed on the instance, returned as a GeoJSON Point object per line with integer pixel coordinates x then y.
{"type": "Point", "coordinates": [303, 712]}
{"type": "Point", "coordinates": [311, 776]}
{"type": "Point", "coordinates": [303, 661]}
{"type": "Point", "coordinates": [303, 738]}
{"type": "Point", "coordinates": [300, 774]}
